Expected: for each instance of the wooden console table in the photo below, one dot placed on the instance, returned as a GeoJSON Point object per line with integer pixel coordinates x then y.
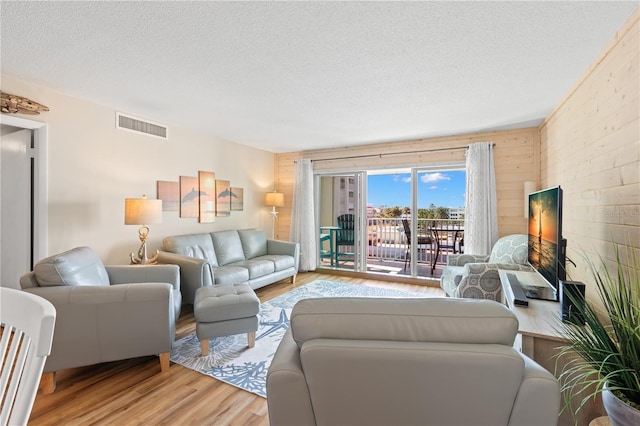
{"type": "Point", "coordinates": [540, 329]}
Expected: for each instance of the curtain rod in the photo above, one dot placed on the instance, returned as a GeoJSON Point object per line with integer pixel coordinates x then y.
{"type": "Point", "coordinates": [390, 153]}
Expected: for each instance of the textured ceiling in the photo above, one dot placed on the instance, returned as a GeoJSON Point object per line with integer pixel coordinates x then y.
{"type": "Point", "coordinates": [289, 76]}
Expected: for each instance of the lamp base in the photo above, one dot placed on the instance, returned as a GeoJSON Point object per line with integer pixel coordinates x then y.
{"type": "Point", "coordinates": [142, 256]}
{"type": "Point", "coordinates": [274, 216]}
{"type": "Point", "coordinates": [142, 259]}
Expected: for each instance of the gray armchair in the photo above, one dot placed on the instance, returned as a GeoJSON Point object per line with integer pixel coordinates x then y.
{"type": "Point", "coordinates": [476, 277]}
{"type": "Point", "coordinates": [105, 313]}
{"type": "Point", "coordinates": [431, 361]}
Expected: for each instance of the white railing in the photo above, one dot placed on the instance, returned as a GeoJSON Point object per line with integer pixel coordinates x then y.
{"type": "Point", "coordinates": [387, 239]}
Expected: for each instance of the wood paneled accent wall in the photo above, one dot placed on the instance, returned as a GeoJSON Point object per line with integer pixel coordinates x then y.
{"type": "Point", "coordinates": [516, 161]}
{"type": "Point", "coordinates": [590, 145]}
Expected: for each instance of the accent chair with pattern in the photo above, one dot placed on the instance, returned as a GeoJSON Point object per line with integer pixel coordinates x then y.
{"type": "Point", "coordinates": [476, 277]}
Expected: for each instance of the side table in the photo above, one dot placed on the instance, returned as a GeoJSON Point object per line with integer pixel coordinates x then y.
{"type": "Point", "coordinates": [539, 326]}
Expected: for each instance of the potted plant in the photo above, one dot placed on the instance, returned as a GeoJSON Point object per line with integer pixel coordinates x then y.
{"type": "Point", "coordinates": [608, 344]}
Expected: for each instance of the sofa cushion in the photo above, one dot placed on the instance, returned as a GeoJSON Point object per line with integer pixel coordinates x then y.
{"type": "Point", "coordinates": [75, 267]}
{"type": "Point", "coordinates": [228, 247]}
{"type": "Point", "coordinates": [280, 261]}
{"type": "Point", "coordinates": [254, 242]}
{"type": "Point", "coordinates": [413, 320]}
{"type": "Point", "coordinates": [230, 275]}
{"type": "Point", "coordinates": [199, 246]}
{"type": "Point", "coordinates": [257, 268]}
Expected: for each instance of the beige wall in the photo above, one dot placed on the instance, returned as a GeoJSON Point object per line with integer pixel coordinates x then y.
{"type": "Point", "coordinates": [93, 167]}
{"type": "Point", "coordinates": [590, 145]}
{"type": "Point", "coordinates": [515, 155]}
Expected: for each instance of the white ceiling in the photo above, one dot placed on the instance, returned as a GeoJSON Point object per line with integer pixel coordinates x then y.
{"type": "Point", "coordinates": [289, 76]}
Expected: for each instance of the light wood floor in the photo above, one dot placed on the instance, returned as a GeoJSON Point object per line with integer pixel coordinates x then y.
{"type": "Point", "coordinates": [134, 391]}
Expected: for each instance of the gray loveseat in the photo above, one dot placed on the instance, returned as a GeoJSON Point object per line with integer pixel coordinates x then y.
{"type": "Point", "coordinates": [229, 257]}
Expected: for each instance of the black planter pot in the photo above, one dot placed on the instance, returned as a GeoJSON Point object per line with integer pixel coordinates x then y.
{"type": "Point", "coordinates": [620, 414]}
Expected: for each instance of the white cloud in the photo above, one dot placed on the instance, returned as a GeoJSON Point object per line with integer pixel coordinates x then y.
{"type": "Point", "coordinates": [433, 177]}
{"type": "Point", "coordinates": [433, 187]}
{"type": "Point", "coordinates": [406, 179]}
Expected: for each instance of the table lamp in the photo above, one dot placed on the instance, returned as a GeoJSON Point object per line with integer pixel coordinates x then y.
{"type": "Point", "coordinates": [274, 199]}
{"type": "Point", "coordinates": [142, 211]}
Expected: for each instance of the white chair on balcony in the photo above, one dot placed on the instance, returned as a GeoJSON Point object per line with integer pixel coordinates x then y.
{"type": "Point", "coordinates": [27, 324]}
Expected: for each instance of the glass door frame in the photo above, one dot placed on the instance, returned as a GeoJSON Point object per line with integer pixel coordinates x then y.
{"type": "Point", "coordinates": [360, 261]}
{"type": "Point", "coordinates": [360, 227]}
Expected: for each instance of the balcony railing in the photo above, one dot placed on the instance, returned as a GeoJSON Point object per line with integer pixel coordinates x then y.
{"type": "Point", "coordinates": [388, 241]}
{"type": "Point", "coordinates": [388, 248]}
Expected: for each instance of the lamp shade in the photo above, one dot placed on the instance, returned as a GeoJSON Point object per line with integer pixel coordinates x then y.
{"type": "Point", "coordinates": [142, 211]}
{"type": "Point", "coordinates": [275, 199]}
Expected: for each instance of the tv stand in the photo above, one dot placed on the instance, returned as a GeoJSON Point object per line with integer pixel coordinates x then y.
{"type": "Point", "coordinates": [540, 328]}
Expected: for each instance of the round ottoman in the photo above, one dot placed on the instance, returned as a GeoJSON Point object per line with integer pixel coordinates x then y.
{"type": "Point", "coordinates": [223, 310]}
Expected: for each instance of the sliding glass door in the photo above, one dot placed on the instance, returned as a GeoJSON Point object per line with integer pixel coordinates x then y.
{"type": "Point", "coordinates": [340, 222]}
{"type": "Point", "coordinates": [402, 222]}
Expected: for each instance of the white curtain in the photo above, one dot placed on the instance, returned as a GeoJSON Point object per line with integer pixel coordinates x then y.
{"type": "Point", "coordinates": [480, 216]}
{"type": "Point", "coordinates": [303, 224]}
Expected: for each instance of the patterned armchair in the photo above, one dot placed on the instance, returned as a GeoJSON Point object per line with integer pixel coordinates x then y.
{"type": "Point", "coordinates": [476, 277]}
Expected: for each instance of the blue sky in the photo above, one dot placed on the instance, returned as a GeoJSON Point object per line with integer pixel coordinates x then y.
{"type": "Point", "coordinates": [444, 189]}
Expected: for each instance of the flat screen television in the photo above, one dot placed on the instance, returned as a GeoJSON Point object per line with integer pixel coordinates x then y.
{"type": "Point", "coordinates": [546, 251]}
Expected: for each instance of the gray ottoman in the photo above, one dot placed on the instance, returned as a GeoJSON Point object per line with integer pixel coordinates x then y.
{"type": "Point", "coordinates": [223, 310]}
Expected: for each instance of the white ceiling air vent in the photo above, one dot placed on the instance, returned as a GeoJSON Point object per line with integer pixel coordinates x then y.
{"type": "Point", "coordinates": [133, 124]}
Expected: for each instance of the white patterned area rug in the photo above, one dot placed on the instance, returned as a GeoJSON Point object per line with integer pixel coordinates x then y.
{"type": "Point", "coordinates": [231, 361]}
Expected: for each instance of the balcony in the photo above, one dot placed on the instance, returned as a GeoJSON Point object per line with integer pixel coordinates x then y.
{"type": "Point", "coordinates": [388, 247]}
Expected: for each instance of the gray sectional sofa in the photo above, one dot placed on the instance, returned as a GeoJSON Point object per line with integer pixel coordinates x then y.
{"type": "Point", "coordinates": [229, 257]}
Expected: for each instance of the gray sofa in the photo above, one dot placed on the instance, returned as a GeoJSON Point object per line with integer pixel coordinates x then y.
{"type": "Point", "coordinates": [105, 313]}
{"type": "Point", "coordinates": [431, 361]}
{"type": "Point", "coordinates": [229, 257]}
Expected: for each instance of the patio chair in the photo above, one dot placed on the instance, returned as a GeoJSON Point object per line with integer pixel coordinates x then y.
{"type": "Point", "coordinates": [345, 236]}
{"type": "Point", "coordinates": [447, 241]}
{"type": "Point", "coordinates": [422, 241]}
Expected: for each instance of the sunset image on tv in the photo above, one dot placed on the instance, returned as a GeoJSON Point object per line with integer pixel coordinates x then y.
{"type": "Point", "coordinates": [544, 232]}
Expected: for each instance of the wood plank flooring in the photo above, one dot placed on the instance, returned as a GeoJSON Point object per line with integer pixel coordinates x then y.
{"type": "Point", "coordinates": [134, 392]}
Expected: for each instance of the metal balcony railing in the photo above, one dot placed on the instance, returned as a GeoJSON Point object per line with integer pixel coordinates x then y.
{"type": "Point", "coordinates": [387, 239]}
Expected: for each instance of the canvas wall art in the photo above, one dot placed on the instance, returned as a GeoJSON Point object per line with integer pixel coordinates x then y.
{"type": "Point", "coordinates": [169, 193]}
{"type": "Point", "coordinates": [237, 198]}
{"type": "Point", "coordinates": [189, 196]}
{"type": "Point", "coordinates": [223, 198]}
{"type": "Point", "coordinates": [207, 185]}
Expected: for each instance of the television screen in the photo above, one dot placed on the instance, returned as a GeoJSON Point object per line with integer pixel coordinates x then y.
{"type": "Point", "coordinates": [546, 245]}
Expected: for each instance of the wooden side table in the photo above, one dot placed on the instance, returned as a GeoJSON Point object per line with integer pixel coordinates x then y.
{"type": "Point", "coordinates": [539, 327]}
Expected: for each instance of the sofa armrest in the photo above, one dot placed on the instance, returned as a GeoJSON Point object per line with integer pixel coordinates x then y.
{"type": "Point", "coordinates": [128, 274]}
{"type": "Point", "coordinates": [539, 393]}
{"type": "Point", "coordinates": [288, 396]}
{"type": "Point", "coordinates": [106, 323]}
{"type": "Point", "coordinates": [285, 248]}
{"type": "Point", "coordinates": [194, 273]}
{"type": "Point", "coordinates": [482, 280]}
{"type": "Point", "coordinates": [463, 259]}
